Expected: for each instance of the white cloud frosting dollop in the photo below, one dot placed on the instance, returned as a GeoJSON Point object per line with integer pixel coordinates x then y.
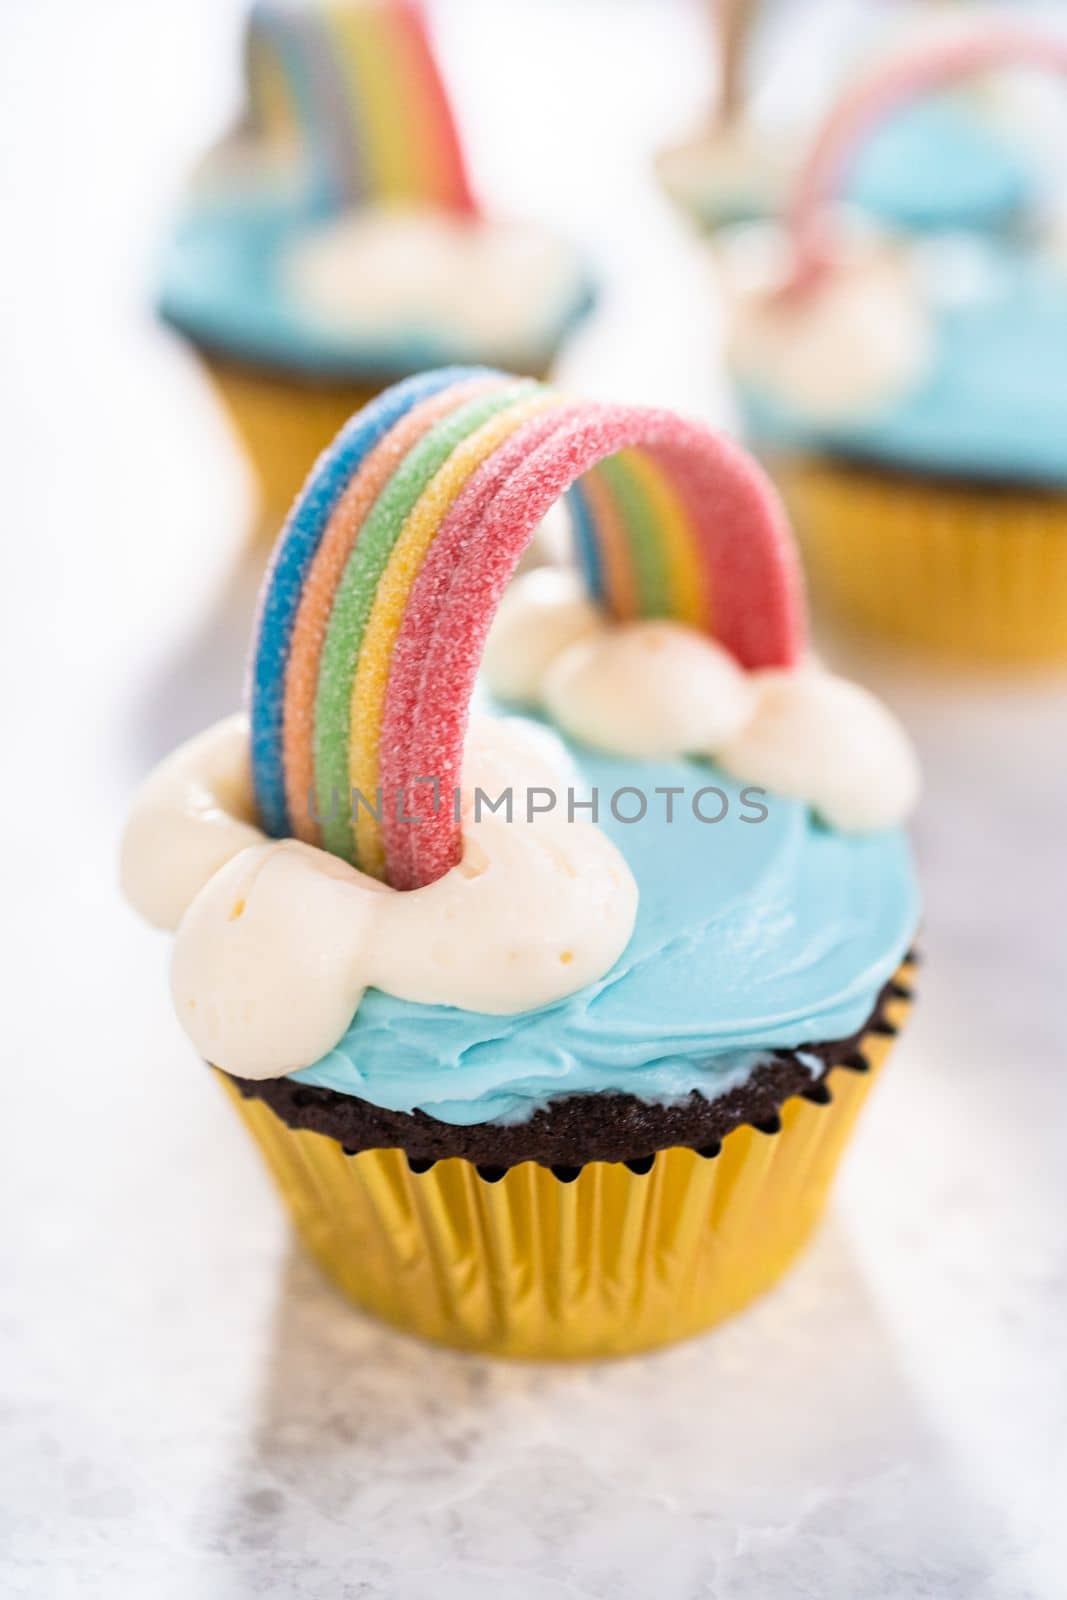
{"type": "Point", "coordinates": [496, 288]}
{"type": "Point", "coordinates": [191, 816]}
{"type": "Point", "coordinates": [830, 742]}
{"type": "Point", "coordinates": [848, 344]}
{"type": "Point", "coordinates": [658, 688]}
{"type": "Point", "coordinates": [277, 941]}
{"type": "Point", "coordinates": [648, 689]}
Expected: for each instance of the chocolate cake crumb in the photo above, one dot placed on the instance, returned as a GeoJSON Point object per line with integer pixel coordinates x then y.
{"type": "Point", "coordinates": [580, 1127]}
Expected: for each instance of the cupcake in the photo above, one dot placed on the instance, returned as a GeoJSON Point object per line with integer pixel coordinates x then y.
{"type": "Point", "coordinates": [332, 243]}
{"type": "Point", "coordinates": [911, 397]}
{"type": "Point", "coordinates": [550, 1018]}
{"type": "Point", "coordinates": [945, 163]}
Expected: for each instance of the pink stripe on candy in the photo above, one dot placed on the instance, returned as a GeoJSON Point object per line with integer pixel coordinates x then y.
{"type": "Point", "coordinates": [426, 604]}
{"type": "Point", "coordinates": [743, 536]}
{"type": "Point", "coordinates": [458, 195]}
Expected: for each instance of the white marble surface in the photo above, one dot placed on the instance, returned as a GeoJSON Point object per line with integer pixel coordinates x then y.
{"type": "Point", "coordinates": [187, 1410]}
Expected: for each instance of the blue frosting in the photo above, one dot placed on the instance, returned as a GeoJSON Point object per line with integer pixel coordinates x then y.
{"type": "Point", "coordinates": [222, 286]}
{"type": "Point", "coordinates": [750, 936]}
{"type": "Point", "coordinates": [992, 403]}
{"type": "Point", "coordinates": [937, 164]}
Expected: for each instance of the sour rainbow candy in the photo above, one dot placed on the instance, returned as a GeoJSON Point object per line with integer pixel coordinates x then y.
{"type": "Point", "coordinates": [355, 85]}
{"type": "Point", "coordinates": [385, 580]}
{"type": "Point", "coordinates": [873, 98]}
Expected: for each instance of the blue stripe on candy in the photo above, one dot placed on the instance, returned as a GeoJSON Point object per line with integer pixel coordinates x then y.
{"type": "Point", "coordinates": [336, 135]}
{"type": "Point", "coordinates": [586, 547]}
{"type": "Point", "coordinates": [312, 76]}
{"type": "Point", "coordinates": [267, 31]}
{"type": "Point", "coordinates": [293, 555]}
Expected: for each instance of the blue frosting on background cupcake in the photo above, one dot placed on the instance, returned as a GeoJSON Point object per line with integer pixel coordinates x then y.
{"type": "Point", "coordinates": [991, 403]}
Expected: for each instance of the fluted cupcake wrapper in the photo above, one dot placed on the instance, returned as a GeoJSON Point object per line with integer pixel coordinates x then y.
{"type": "Point", "coordinates": [539, 1263]}
{"type": "Point", "coordinates": [283, 426]}
{"type": "Point", "coordinates": [972, 573]}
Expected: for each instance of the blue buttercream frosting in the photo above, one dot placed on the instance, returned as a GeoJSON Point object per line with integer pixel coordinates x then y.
{"type": "Point", "coordinates": [992, 400]}
{"type": "Point", "coordinates": [223, 286]}
{"type": "Point", "coordinates": [933, 166]}
{"type": "Point", "coordinates": [751, 935]}
{"type": "Point", "coordinates": [938, 165]}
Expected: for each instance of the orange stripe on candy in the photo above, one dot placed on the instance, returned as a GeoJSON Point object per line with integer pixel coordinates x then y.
{"type": "Point", "coordinates": [371, 679]}
{"type": "Point", "coordinates": [430, 95]}
{"type": "Point", "coordinates": [320, 585]}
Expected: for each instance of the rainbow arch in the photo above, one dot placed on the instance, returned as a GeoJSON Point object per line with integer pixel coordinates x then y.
{"type": "Point", "coordinates": [872, 98]}
{"type": "Point", "coordinates": [355, 86]}
{"type": "Point", "coordinates": [384, 582]}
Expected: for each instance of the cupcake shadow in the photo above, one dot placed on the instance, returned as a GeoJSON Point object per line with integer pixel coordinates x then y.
{"type": "Point", "coordinates": [790, 1444]}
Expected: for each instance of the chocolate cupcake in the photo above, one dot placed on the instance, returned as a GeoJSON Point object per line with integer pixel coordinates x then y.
{"type": "Point", "coordinates": [551, 1026]}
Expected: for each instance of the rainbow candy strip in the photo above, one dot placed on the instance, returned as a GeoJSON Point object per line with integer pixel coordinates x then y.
{"type": "Point", "coordinates": [355, 83]}
{"type": "Point", "coordinates": [386, 577]}
{"type": "Point", "coordinates": [871, 99]}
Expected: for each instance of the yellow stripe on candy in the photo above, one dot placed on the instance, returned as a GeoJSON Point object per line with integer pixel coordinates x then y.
{"type": "Point", "coordinates": [371, 680]}
{"type": "Point", "coordinates": [367, 59]}
{"type": "Point", "coordinates": [276, 111]}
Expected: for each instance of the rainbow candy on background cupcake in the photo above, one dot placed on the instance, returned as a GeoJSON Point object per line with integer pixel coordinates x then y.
{"type": "Point", "coordinates": [551, 1026]}
{"type": "Point", "coordinates": [912, 398]}
{"type": "Point", "coordinates": [947, 162]}
{"type": "Point", "coordinates": [333, 243]}
{"type": "Point", "coordinates": [355, 89]}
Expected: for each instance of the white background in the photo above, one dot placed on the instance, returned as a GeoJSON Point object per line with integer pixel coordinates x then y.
{"type": "Point", "coordinates": [186, 1409]}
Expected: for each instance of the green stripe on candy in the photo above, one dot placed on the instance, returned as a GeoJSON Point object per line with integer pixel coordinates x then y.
{"type": "Point", "coordinates": [643, 539]}
{"type": "Point", "coordinates": [354, 599]}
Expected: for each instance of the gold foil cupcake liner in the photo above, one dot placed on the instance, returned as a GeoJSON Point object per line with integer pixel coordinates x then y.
{"type": "Point", "coordinates": [283, 427]}
{"type": "Point", "coordinates": [970, 573]}
{"type": "Point", "coordinates": [621, 1259]}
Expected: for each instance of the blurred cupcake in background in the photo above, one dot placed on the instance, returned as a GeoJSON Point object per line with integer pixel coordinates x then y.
{"type": "Point", "coordinates": [911, 396]}
{"type": "Point", "coordinates": [951, 161]}
{"type": "Point", "coordinates": [333, 243]}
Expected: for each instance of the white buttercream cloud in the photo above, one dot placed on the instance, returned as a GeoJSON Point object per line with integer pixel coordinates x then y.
{"type": "Point", "coordinates": [848, 344]}
{"type": "Point", "coordinates": [495, 286]}
{"type": "Point", "coordinates": [658, 688]}
{"type": "Point", "coordinates": [277, 941]}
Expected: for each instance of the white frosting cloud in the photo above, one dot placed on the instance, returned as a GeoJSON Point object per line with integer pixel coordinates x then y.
{"type": "Point", "coordinates": [277, 941]}
{"type": "Point", "coordinates": [194, 813]}
{"type": "Point", "coordinates": [538, 617]}
{"type": "Point", "coordinates": [648, 689]}
{"type": "Point", "coordinates": [851, 342]}
{"type": "Point", "coordinates": [495, 287]}
{"type": "Point", "coordinates": [662, 689]}
{"type": "Point", "coordinates": [829, 742]}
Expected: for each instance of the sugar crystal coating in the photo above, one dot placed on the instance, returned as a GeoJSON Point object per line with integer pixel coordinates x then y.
{"type": "Point", "coordinates": [387, 575]}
